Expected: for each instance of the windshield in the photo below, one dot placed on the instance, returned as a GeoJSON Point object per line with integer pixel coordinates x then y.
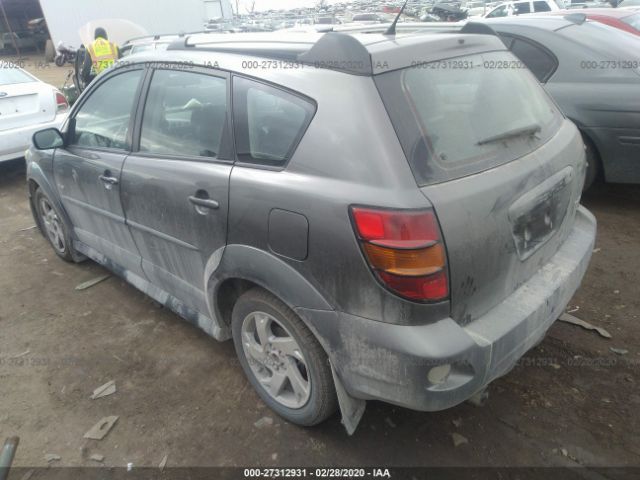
{"type": "Point", "coordinates": [633, 20]}
{"type": "Point", "coordinates": [10, 74]}
{"type": "Point", "coordinates": [462, 116]}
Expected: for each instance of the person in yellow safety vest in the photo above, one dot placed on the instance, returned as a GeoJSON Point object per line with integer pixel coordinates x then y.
{"type": "Point", "coordinates": [101, 55]}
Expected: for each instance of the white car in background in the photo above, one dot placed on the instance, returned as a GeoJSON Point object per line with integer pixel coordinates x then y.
{"type": "Point", "coordinates": [522, 7]}
{"type": "Point", "coordinates": [26, 106]}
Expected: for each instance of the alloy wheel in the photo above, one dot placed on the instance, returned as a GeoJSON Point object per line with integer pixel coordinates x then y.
{"type": "Point", "coordinates": [276, 359]}
{"type": "Point", "coordinates": [52, 225]}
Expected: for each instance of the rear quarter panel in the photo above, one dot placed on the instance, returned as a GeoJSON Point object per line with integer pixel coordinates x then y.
{"type": "Point", "coordinates": [349, 155]}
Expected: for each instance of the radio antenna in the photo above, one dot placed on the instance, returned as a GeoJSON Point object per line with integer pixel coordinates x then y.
{"type": "Point", "coordinates": [392, 28]}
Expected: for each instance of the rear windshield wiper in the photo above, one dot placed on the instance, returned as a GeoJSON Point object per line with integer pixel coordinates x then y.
{"type": "Point", "coordinates": [516, 132]}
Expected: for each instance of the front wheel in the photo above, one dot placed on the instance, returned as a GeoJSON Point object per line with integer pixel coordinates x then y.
{"type": "Point", "coordinates": [282, 359]}
{"type": "Point", "coordinates": [60, 60]}
{"type": "Point", "coordinates": [52, 226]}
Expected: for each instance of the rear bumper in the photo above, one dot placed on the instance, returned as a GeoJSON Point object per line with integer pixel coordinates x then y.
{"type": "Point", "coordinates": [16, 140]}
{"type": "Point", "coordinates": [389, 362]}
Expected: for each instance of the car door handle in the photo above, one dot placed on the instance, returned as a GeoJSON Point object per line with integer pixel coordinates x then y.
{"type": "Point", "coordinates": [109, 180]}
{"type": "Point", "coordinates": [204, 202]}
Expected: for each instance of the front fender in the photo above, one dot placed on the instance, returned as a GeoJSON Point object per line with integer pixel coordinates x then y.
{"type": "Point", "coordinates": [44, 180]}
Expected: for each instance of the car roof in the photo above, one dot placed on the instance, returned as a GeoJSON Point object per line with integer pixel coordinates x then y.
{"type": "Point", "coordinates": [354, 53]}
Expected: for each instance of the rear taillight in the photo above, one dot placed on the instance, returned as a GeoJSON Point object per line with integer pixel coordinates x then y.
{"type": "Point", "coordinates": [61, 102]}
{"type": "Point", "coordinates": [404, 248]}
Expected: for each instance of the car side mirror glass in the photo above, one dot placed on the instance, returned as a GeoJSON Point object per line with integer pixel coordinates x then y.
{"type": "Point", "coordinates": [48, 139]}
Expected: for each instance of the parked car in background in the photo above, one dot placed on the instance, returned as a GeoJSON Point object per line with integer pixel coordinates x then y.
{"type": "Point", "coordinates": [623, 19]}
{"type": "Point", "coordinates": [591, 70]}
{"type": "Point", "coordinates": [330, 220]}
{"type": "Point", "coordinates": [368, 18]}
{"type": "Point", "coordinates": [577, 4]}
{"type": "Point", "coordinates": [26, 105]}
{"type": "Point", "coordinates": [147, 43]}
{"type": "Point", "coordinates": [522, 7]}
{"type": "Point", "coordinates": [476, 8]}
{"type": "Point", "coordinates": [629, 4]}
{"type": "Point", "coordinates": [24, 41]}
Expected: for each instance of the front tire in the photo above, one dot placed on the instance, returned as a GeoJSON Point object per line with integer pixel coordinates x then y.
{"type": "Point", "coordinates": [282, 359]}
{"type": "Point", "coordinates": [52, 226]}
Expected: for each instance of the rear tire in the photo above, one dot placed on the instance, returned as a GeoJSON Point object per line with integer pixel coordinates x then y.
{"type": "Point", "coordinates": [52, 226]}
{"type": "Point", "coordinates": [593, 164]}
{"type": "Point", "coordinates": [282, 359]}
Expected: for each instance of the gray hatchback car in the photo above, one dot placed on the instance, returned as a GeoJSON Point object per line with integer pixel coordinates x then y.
{"type": "Point", "coordinates": [367, 216]}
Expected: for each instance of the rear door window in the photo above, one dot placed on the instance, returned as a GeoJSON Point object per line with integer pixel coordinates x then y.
{"type": "Point", "coordinates": [539, 60]}
{"type": "Point", "coordinates": [539, 6]}
{"type": "Point", "coordinates": [479, 112]}
{"type": "Point", "coordinates": [185, 114]}
{"type": "Point", "coordinates": [269, 122]}
{"type": "Point", "coordinates": [521, 7]}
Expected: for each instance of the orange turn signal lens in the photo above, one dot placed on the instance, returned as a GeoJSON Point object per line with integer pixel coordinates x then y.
{"type": "Point", "coordinates": [424, 261]}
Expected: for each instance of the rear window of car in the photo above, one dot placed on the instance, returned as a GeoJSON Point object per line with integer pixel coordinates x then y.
{"type": "Point", "coordinates": [269, 122]}
{"type": "Point", "coordinates": [465, 115]}
{"type": "Point", "coordinates": [633, 20]}
{"type": "Point", "coordinates": [10, 74]}
{"type": "Point", "coordinates": [608, 42]}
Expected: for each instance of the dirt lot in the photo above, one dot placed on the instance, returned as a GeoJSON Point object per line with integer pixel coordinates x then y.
{"type": "Point", "coordinates": [183, 395]}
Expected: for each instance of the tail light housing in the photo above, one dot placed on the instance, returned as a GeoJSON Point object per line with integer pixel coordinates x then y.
{"type": "Point", "coordinates": [61, 102]}
{"type": "Point", "coordinates": [404, 248]}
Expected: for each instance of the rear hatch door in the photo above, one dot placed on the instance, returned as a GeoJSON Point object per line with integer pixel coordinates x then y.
{"type": "Point", "coordinates": [501, 166]}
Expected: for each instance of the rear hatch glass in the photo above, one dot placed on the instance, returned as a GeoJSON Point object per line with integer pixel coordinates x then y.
{"type": "Point", "coordinates": [10, 74]}
{"type": "Point", "coordinates": [633, 20]}
{"type": "Point", "coordinates": [467, 114]}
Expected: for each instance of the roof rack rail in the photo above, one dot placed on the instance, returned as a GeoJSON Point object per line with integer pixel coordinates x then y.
{"type": "Point", "coordinates": [333, 50]}
{"type": "Point", "coordinates": [336, 50]}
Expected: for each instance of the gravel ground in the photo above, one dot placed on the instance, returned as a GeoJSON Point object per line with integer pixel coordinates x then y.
{"type": "Point", "coordinates": [571, 401]}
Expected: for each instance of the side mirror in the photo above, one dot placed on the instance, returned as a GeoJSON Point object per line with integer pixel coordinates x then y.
{"type": "Point", "coordinates": [48, 139]}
